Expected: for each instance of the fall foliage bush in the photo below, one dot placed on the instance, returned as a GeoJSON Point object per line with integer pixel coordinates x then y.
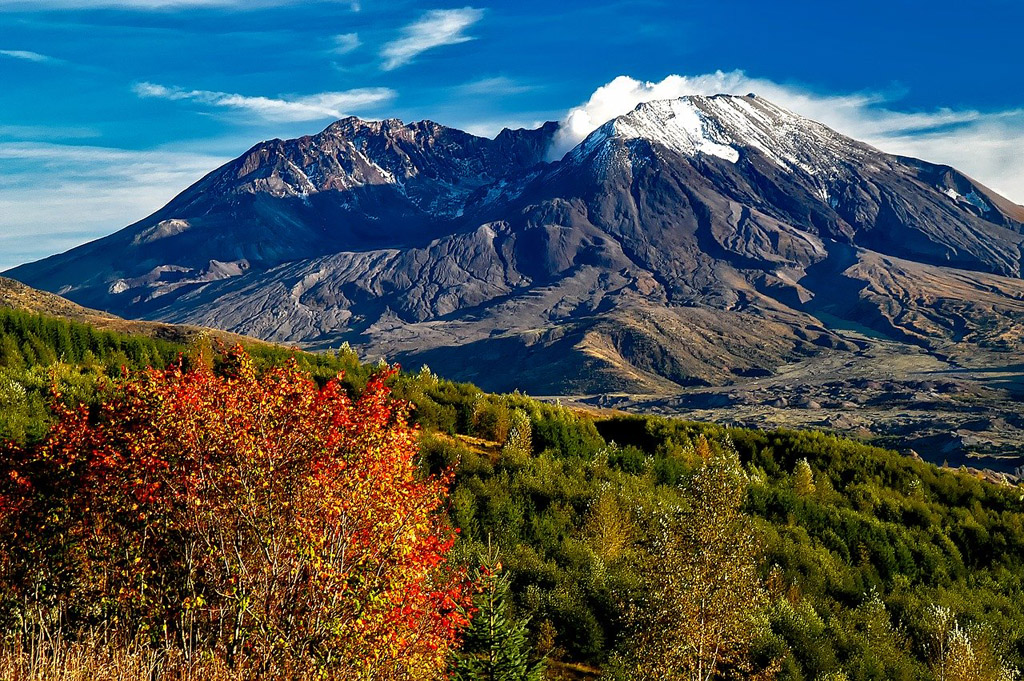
{"type": "Point", "coordinates": [258, 516]}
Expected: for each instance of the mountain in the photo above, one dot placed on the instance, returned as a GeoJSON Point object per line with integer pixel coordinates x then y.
{"type": "Point", "coordinates": [357, 185]}
{"type": "Point", "coordinates": [687, 245]}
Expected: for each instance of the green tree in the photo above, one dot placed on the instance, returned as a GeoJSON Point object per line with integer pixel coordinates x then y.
{"type": "Point", "coordinates": [803, 478]}
{"type": "Point", "coordinates": [698, 621]}
{"type": "Point", "coordinates": [519, 442]}
{"type": "Point", "coordinates": [491, 418]}
{"type": "Point", "coordinates": [10, 355]}
{"type": "Point", "coordinates": [879, 647]}
{"type": "Point", "coordinates": [496, 644]}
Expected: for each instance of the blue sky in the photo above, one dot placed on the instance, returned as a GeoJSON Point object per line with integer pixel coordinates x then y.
{"type": "Point", "coordinates": [110, 107]}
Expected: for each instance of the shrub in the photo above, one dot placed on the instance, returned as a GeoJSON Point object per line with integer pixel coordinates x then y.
{"type": "Point", "coordinates": [258, 516]}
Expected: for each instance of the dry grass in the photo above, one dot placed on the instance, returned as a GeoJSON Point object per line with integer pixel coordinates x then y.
{"type": "Point", "coordinates": [94, 658]}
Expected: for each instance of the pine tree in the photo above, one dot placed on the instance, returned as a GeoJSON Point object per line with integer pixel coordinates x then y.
{"type": "Point", "coordinates": [426, 376]}
{"type": "Point", "coordinates": [10, 355]}
{"type": "Point", "coordinates": [496, 646]}
{"type": "Point", "coordinates": [29, 354]}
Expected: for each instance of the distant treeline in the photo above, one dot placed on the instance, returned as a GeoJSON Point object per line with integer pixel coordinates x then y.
{"type": "Point", "coordinates": [28, 340]}
{"type": "Point", "coordinates": [38, 353]}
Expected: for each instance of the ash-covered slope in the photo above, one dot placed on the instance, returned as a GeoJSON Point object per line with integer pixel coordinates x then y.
{"type": "Point", "coordinates": [691, 241]}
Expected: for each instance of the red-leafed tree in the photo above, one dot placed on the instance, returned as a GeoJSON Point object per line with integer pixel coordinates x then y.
{"type": "Point", "coordinates": [261, 516]}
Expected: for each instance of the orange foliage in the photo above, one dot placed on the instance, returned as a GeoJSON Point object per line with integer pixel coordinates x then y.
{"type": "Point", "coordinates": [262, 517]}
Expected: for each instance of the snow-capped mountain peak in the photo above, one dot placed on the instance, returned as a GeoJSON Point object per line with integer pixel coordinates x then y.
{"type": "Point", "coordinates": [727, 125]}
{"type": "Point", "coordinates": [679, 124]}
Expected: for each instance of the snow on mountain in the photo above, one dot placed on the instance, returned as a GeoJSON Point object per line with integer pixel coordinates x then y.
{"type": "Point", "coordinates": [725, 125]}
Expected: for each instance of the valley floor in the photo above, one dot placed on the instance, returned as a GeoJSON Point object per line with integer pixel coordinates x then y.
{"type": "Point", "coordinates": [960, 409]}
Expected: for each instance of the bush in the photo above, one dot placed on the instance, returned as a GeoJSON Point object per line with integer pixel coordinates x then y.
{"type": "Point", "coordinates": [255, 516]}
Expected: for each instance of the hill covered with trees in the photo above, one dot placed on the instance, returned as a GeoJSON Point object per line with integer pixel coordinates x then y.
{"type": "Point", "coordinates": [629, 546]}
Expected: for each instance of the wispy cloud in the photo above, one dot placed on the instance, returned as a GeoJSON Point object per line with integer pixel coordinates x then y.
{"type": "Point", "coordinates": [281, 109]}
{"type": "Point", "coordinates": [496, 86]}
{"type": "Point", "coordinates": [984, 145]}
{"type": "Point", "coordinates": [345, 43]}
{"type": "Point", "coordinates": [436, 28]}
{"type": "Point", "coordinates": [47, 132]}
{"type": "Point", "coordinates": [27, 55]}
{"type": "Point", "coordinates": [55, 196]}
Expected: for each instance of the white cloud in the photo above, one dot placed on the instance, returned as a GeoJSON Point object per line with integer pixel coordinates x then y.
{"type": "Point", "coordinates": [301, 108]}
{"type": "Point", "coordinates": [54, 197]}
{"type": "Point", "coordinates": [988, 149]}
{"type": "Point", "coordinates": [986, 146]}
{"type": "Point", "coordinates": [345, 43]}
{"type": "Point", "coordinates": [435, 28]}
{"type": "Point", "coordinates": [29, 56]}
{"type": "Point", "coordinates": [37, 132]}
{"type": "Point", "coordinates": [497, 86]}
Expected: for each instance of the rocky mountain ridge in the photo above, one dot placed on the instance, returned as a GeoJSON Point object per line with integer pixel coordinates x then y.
{"type": "Point", "coordinates": [691, 243]}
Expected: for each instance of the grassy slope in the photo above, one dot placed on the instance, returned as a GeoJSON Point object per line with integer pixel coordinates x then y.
{"type": "Point", "coordinates": [18, 296]}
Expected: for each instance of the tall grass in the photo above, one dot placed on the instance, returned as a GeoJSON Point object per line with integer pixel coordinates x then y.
{"type": "Point", "coordinates": [98, 656]}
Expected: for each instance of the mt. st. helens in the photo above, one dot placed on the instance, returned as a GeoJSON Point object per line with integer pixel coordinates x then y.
{"type": "Point", "coordinates": [702, 241]}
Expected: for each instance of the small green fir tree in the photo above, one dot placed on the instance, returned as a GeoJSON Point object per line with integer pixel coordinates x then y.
{"type": "Point", "coordinates": [496, 647]}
